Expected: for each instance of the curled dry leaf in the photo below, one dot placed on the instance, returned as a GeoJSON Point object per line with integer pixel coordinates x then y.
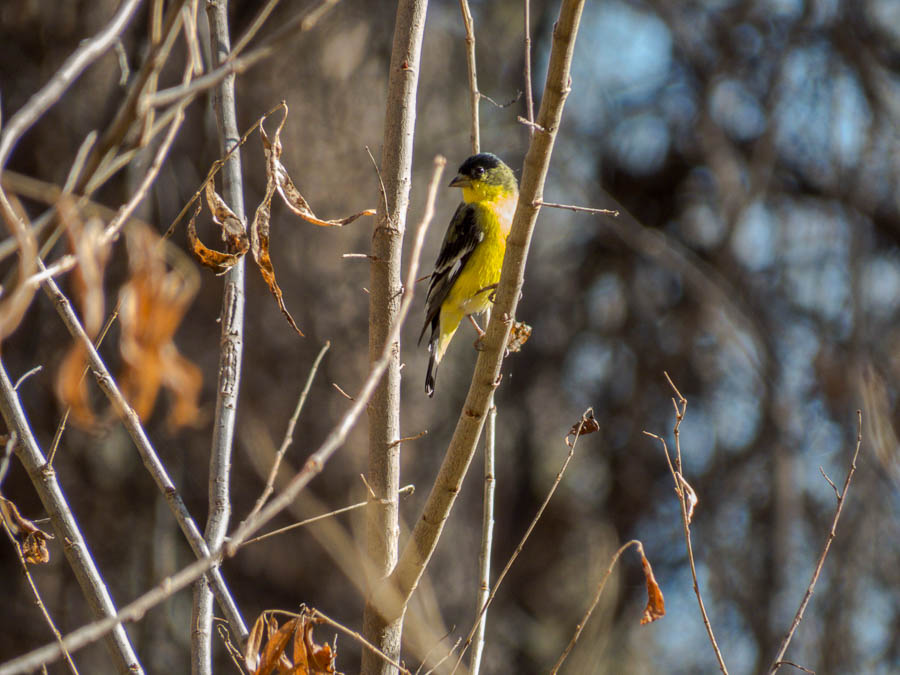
{"type": "Point", "coordinates": [259, 245]}
{"type": "Point", "coordinates": [273, 656]}
{"type": "Point", "coordinates": [277, 175]}
{"type": "Point", "coordinates": [92, 254]}
{"type": "Point", "coordinates": [278, 180]}
{"type": "Point", "coordinates": [16, 300]}
{"type": "Point", "coordinates": [254, 642]}
{"type": "Point", "coordinates": [690, 497]}
{"type": "Point", "coordinates": [234, 234]}
{"type": "Point", "coordinates": [87, 245]}
{"type": "Point", "coordinates": [318, 659]}
{"type": "Point", "coordinates": [32, 538]}
{"type": "Point", "coordinates": [518, 336]}
{"type": "Point", "coordinates": [153, 303]}
{"type": "Point", "coordinates": [586, 425]}
{"type": "Point", "coordinates": [656, 606]}
{"type": "Point", "coordinates": [71, 386]}
{"type": "Point", "coordinates": [309, 658]}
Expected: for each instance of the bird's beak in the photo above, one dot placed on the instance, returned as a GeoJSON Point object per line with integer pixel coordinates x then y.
{"type": "Point", "coordinates": [461, 181]}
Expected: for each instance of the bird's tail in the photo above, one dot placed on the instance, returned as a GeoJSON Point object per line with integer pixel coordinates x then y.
{"type": "Point", "coordinates": [432, 372]}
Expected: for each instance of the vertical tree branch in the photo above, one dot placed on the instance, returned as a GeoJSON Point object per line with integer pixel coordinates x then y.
{"type": "Point", "coordinates": [529, 97]}
{"type": "Point", "coordinates": [487, 521]}
{"type": "Point", "coordinates": [382, 528]}
{"type": "Point", "coordinates": [231, 345]}
{"type": "Point", "coordinates": [474, 94]}
{"type": "Point", "coordinates": [426, 533]}
{"type": "Point", "coordinates": [67, 531]}
{"type": "Point", "coordinates": [487, 540]}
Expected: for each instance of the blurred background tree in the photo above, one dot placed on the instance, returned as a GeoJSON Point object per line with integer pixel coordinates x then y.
{"type": "Point", "coordinates": [751, 147]}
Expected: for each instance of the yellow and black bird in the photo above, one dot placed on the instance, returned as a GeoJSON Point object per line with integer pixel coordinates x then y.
{"type": "Point", "coordinates": [468, 266]}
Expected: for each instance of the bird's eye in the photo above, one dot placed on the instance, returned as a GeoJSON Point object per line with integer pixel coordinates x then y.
{"type": "Point", "coordinates": [478, 171]}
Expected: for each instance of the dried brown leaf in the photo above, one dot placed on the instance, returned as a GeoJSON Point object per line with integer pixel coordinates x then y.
{"type": "Point", "coordinates": [518, 336]}
{"type": "Point", "coordinates": [71, 386]}
{"type": "Point", "coordinates": [296, 203]}
{"type": "Point", "coordinates": [16, 300]}
{"type": "Point", "coordinates": [586, 425]}
{"type": "Point", "coordinates": [277, 175]}
{"type": "Point", "coordinates": [92, 253]}
{"type": "Point", "coordinates": [690, 497]}
{"type": "Point", "coordinates": [217, 261]}
{"type": "Point", "coordinates": [233, 232]}
{"type": "Point", "coordinates": [311, 658]}
{"type": "Point", "coordinates": [32, 538]}
{"type": "Point", "coordinates": [153, 303]}
{"type": "Point", "coordinates": [254, 642]}
{"type": "Point", "coordinates": [656, 606]}
{"type": "Point", "coordinates": [274, 651]}
{"type": "Point", "coordinates": [259, 246]}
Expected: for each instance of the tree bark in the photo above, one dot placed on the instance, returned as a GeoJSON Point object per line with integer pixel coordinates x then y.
{"type": "Point", "coordinates": [382, 529]}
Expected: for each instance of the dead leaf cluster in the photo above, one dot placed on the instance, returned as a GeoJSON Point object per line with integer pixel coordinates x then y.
{"type": "Point", "coordinates": [656, 605]}
{"type": "Point", "coordinates": [237, 239]}
{"type": "Point", "coordinates": [588, 424]}
{"type": "Point", "coordinates": [152, 303]}
{"type": "Point", "coordinates": [518, 336]}
{"type": "Point", "coordinates": [308, 658]}
{"type": "Point", "coordinates": [31, 538]}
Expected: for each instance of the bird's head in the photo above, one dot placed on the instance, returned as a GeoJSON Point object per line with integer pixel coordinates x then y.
{"type": "Point", "coordinates": [484, 177]}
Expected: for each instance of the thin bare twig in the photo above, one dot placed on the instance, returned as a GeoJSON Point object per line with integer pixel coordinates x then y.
{"type": "Point", "coordinates": [521, 545]}
{"type": "Point", "coordinates": [88, 52]}
{"type": "Point", "coordinates": [487, 537]}
{"type": "Point", "coordinates": [474, 94]}
{"type": "Point", "coordinates": [795, 665]}
{"type": "Point", "coordinates": [407, 490]}
{"type": "Point", "coordinates": [66, 526]}
{"type": "Point", "coordinates": [61, 427]}
{"type": "Point", "coordinates": [124, 213]}
{"type": "Point", "coordinates": [24, 377]}
{"type": "Point", "coordinates": [135, 610]}
{"type": "Point", "coordinates": [359, 638]}
{"type": "Point", "coordinates": [8, 447]}
{"type": "Point", "coordinates": [148, 454]}
{"type": "Point", "coordinates": [235, 65]}
{"type": "Point", "coordinates": [590, 610]}
{"type": "Point", "coordinates": [529, 97]}
{"type": "Point", "coordinates": [288, 434]}
{"type": "Point", "coordinates": [777, 661]}
{"type": "Point", "coordinates": [37, 597]}
{"type": "Point", "coordinates": [678, 476]}
{"type": "Point", "coordinates": [583, 209]}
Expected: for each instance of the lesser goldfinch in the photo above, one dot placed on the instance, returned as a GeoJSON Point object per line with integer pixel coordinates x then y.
{"type": "Point", "coordinates": [468, 266]}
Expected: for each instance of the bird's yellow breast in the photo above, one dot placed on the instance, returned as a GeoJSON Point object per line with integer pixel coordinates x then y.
{"type": "Point", "coordinates": [471, 294]}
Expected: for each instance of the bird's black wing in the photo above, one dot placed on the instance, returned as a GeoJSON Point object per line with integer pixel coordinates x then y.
{"type": "Point", "coordinates": [463, 235]}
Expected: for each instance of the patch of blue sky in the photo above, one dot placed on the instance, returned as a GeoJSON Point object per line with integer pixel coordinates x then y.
{"type": "Point", "coordinates": [699, 432]}
{"type": "Point", "coordinates": [607, 303]}
{"type": "Point", "coordinates": [736, 414]}
{"type": "Point", "coordinates": [737, 110]}
{"type": "Point", "coordinates": [640, 143]}
{"type": "Point", "coordinates": [814, 255]}
{"type": "Point", "coordinates": [880, 285]}
{"type": "Point", "coordinates": [796, 346]}
{"type": "Point", "coordinates": [622, 58]}
{"type": "Point", "coordinates": [595, 364]}
{"type": "Point", "coordinates": [755, 236]}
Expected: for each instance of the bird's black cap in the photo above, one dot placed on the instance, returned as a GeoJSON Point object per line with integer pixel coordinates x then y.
{"type": "Point", "coordinates": [484, 160]}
